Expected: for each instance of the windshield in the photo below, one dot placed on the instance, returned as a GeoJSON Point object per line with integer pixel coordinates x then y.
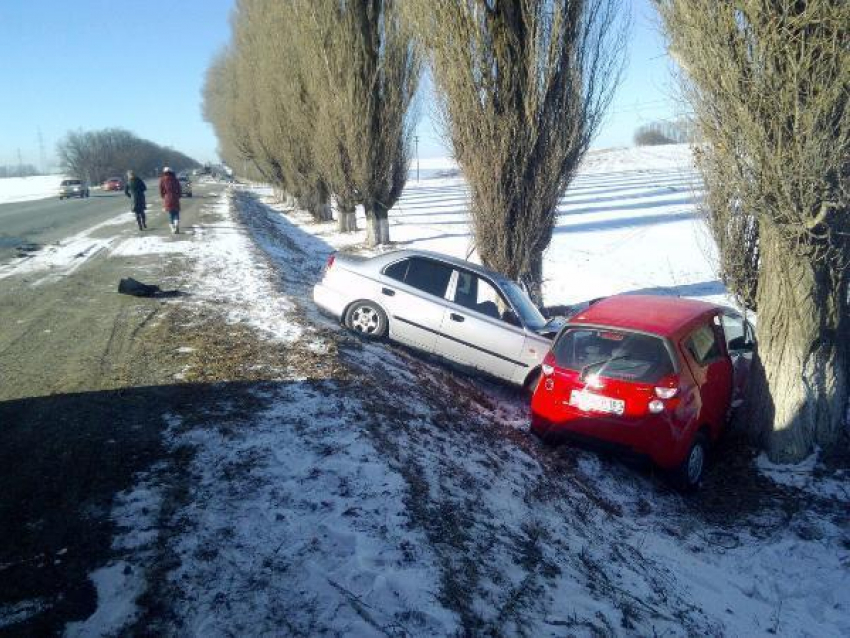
{"type": "Point", "coordinates": [614, 354]}
{"type": "Point", "coordinates": [528, 312]}
{"type": "Point", "coordinates": [70, 182]}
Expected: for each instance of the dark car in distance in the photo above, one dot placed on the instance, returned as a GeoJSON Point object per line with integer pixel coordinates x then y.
{"type": "Point", "coordinates": [185, 186]}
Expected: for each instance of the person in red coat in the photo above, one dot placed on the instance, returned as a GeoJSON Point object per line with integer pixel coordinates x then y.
{"type": "Point", "coordinates": [169, 190]}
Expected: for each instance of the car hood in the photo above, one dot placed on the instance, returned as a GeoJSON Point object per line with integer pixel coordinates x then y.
{"type": "Point", "coordinates": [551, 328]}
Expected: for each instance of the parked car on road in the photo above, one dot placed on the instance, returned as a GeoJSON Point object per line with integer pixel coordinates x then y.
{"type": "Point", "coordinates": [113, 184]}
{"type": "Point", "coordinates": [185, 186]}
{"type": "Point", "coordinates": [73, 188]}
{"type": "Point", "coordinates": [439, 304]}
{"type": "Point", "coordinates": [657, 376]}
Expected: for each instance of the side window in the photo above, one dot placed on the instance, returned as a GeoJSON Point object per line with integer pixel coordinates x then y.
{"type": "Point", "coordinates": [479, 295]}
{"type": "Point", "coordinates": [737, 331]}
{"type": "Point", "coordinates": [428, 276]}
{"type": "Point", "coordinates": [398, 270]}
{"type": "Point", "coordinates": [703, 345]}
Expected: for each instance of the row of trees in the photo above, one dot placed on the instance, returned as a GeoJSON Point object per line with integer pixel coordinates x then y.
{"type": "Point", "coordinates": [98, 155]}
{"type": "Point", "coordinates": [317, 97]}
{"type": "Point", "coordinates": [665, 132]}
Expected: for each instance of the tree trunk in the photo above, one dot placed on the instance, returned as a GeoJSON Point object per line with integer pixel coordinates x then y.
{"type": "Point", "coordinates": [798, 386]}
{"type": "Point", "coordinates": [377, 225]}
{"type": "Point", "coordinates": [347, 217]}
{"type": "Point", "coordinates": [320, 201]}
{"type": "Point", "coordinates": [533, 279]}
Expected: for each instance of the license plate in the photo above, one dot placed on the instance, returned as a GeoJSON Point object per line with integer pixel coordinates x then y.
{"type": "Point", "coordinates": [588, 402]}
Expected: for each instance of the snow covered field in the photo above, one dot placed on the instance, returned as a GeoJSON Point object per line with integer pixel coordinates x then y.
{"type": "Point", "coordinates": [627, 224]}
{"type": "Point", "coordinates": [362, 490]}
{"type": "Point", "coordinates": [22, 189]}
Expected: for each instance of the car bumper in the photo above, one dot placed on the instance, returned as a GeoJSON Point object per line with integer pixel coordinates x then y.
{"type": "Point", "coordinates": [329, 300]}
{"type": "Point", "coordinates": [656, 437]}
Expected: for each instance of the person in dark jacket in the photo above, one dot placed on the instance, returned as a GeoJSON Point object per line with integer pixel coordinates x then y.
{"type": "Point", "coordinates": [135, 190]}
{"type": "Point", "coordinates": [169, 189]}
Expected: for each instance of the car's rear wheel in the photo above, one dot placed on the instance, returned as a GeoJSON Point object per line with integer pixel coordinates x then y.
{"type": "Point", "coordinates": [689, 474]}
{"type": "Point", "coordinates": [531, 381]}
{"type": "Point", "coordinates": [366, 318]}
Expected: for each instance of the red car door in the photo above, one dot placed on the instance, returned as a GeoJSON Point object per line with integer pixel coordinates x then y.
{"type": "Point", "coordinates": [704, 350]}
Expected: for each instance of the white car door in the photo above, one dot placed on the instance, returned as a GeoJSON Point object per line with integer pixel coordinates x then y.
{"type": "Point", "coordinates": [414, 293]}
{"type": "Point", "coordinates": [474, 330]}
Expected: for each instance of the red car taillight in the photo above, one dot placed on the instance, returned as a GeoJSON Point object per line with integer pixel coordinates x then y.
{"type": "Point", "coordinates": [330, 262]}
{"type": "Point", "coordinates": [548, 366]}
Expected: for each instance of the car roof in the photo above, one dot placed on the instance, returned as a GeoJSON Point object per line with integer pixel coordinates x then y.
{"type": "Point", "coordinates": [395, 255]}
{"type": "Point", "coordinates": [656, 314]}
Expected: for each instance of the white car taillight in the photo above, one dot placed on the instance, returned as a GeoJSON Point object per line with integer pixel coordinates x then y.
{"type": "Point", "coordinates": [330, 262]}
{"type": "Point", "coordinates": [666, 393]}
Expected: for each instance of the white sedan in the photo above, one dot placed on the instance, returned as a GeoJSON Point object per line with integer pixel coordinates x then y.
{"type": "Point", "coordinates": [442, 305]}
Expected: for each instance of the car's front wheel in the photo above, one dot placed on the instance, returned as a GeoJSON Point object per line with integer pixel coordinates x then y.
{"type": "Point", "coordinates": [366, 318]}
{"type": "Point", "coordinates": [689, 474]}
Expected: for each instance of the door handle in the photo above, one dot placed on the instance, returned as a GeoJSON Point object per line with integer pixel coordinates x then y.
{"type": "Point", "coordinates": [389, 292]}
{"type": "Point", "coordinates": [456, 317]}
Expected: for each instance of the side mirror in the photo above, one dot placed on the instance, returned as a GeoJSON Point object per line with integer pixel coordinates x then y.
{"type": "Point", "coordinates": [740, 344]}
{"type": "Point", "coordinates": [509, 316]}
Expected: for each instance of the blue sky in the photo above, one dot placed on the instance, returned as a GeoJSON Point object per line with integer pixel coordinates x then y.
{"type": "Point", "coordinates": [88, 64]}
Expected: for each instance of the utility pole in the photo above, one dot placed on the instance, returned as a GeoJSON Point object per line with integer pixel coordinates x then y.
{"type": "Point", "coordinates": [416, 140]}
{"type": "Point", "coordinates": [20, 164]}
{"type": "Point", "coordinates": [41, 154]}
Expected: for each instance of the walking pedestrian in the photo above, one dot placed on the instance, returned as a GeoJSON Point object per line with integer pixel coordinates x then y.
{"type": "Point", "coordinates": [169, 189]}
{"type": "Point", "coordinates": [135, 190]}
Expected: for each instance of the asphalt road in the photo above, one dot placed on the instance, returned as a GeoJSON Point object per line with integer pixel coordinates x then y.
{"type": "Point", "coordinates": [45, 221]}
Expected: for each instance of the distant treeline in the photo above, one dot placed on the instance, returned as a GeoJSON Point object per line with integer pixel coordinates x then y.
{"type": "Point", "coordinates": [98, 155]}
{"type": "Point", "coordinates": [18, 170]}
{"type": "Point", "coordinates": [666, 132]}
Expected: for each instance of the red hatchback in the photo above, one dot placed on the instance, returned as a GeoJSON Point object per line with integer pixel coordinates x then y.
{"type": "Point", "coordinates": [113, 184]}
{"type": "Point", "coordinates": [649, 374]}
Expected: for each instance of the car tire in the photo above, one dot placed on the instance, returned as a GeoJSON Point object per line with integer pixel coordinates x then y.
{"type": "Point", "coordinates": [531, 382]}
{"type": "Point", "coordinates": [367, 319]}
{"type": "Point", "coordinates": [689, 474]}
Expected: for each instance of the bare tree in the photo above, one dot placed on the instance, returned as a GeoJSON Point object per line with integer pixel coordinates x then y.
{"type": "Point", "coordinates": [97, 155]}
{"type": "Point", "coordinates": [364, 79]}
{"type": "Point", "coordinates": [523, 86]}
{"type": "Point", "coordinates": [769, 83]}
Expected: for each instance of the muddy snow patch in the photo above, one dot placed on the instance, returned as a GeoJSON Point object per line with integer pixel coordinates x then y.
{"type": "Point", "coordinates": [233, 273]}
{"type": "Point", "coordinates": [62, 259]}
{"type": "Point", "coordinates": [149, 245]}
{"type": "Point", "coordinates": [804, 476]}
{"type": "Point", "coordinates": [299, 525]}
{"type": "Point", "coordinates": [122, 581]}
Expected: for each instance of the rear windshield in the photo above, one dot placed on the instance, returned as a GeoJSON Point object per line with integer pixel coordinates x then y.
{"type": "Point", "coordinates": [615, 354]}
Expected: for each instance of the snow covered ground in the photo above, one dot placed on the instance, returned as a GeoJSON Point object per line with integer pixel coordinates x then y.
{"type": "Point", "coordinates": [22, 189]}
{"type": "Point", "coordinates": [363, 490]}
